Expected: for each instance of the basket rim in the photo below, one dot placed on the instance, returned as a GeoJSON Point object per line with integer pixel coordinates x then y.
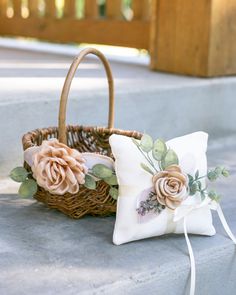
{"type": "Point", "coordinates": [28, 138]}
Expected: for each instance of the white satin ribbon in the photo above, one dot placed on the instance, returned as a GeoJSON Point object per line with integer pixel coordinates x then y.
{"type": "Point", "coordinates": [185, 210]}
{"type": "Point", "coordinates": [190, 250]}
{"type": "Point", "coordinates": [192, 260]}
{"type": "Point", "coordinates": [225, 224]}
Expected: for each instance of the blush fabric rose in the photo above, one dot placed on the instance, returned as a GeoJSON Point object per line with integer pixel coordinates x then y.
{"type": "Point", "coordinates": [58, 168]}
{"type": "Point", "coordinates": [170, 186]}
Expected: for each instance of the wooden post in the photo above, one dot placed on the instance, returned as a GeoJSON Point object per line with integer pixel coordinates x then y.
{"type": "Point", "coordinates": [194, 37]}
{"type": "Point", "coordinates": [113, 9]}
{"type": "Point", "coordinates": [69, 8]}
{"type": "Point", "coordinates": [33, 8]}
{"type": "Point", "coordinates": [141, 9]}
{"type": "Point", "coordinates": [91, 9]}
{"type": "Point", "coordinates": [3, 8]}
{"type": "Point", "coordinates": [17, 8]}
{"type": "Point", "coordinates": [50, 8]}
{"type": "Point", "coordinates": [222, 51]}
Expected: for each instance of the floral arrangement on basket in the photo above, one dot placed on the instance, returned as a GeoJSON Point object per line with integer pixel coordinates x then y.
{"type": "Point", "coordinates": [59, 170]}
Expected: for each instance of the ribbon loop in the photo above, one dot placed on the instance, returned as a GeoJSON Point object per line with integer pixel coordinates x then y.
{"type": "Point", "coordinates": [192, 260]}
{"type": "Point", "coordinates": [225, 224]}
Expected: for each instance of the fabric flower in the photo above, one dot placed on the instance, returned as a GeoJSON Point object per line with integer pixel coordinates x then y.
{"type": "Point", "coordinates": [58, 168]}
{"type": "Point", "coordinates": [170, 186]}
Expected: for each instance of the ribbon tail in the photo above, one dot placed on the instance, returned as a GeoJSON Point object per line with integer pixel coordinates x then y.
{"type": "Point", "coordinates": [192, 260]}
{"type": "Point", "coordinates": [225, 224]}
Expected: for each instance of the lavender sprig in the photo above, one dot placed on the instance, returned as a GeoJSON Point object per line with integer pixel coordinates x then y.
{"type": "Point", "coordinates": [151, 204]}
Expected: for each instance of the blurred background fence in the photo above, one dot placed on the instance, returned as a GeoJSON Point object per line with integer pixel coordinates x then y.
{"type": "Point", "coordinates": [112, 22]}
{"type": "Point", "coordinates": [194, 37]}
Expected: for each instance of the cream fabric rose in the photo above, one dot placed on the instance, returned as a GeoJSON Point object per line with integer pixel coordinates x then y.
{"type": "Point", "coordinates": [58, 168]}
{"type": "Point", "coordinates": [171, 186]}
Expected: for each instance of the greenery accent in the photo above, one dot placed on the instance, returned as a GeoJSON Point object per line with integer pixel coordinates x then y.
{"type": "Point", "coordinates": [166, 157]}
{"type": "Point", "coordinates": [219, 171]}
{"type": "Point", "coordinates": [112, 180]}
{"type": "Point", "coordinates": [90, 182]}
{"type": "Point", "coordinates": [146, 143]}
{"type": "Point", "coordinates": [159, 149]}
{"type": "Point", "coordinates": [101, 171]}
{"type": "Point", "coordinates": [214, 196]}
{"type": "Point", "coordinates": [146, 168]}
{"type": "Point", "coordinates": [19, 174]}
{"type": "Point", "coordinates": [28, 187]}
{"type": "Point", "coordinates": [195, 184]}
{"type": "Point", "coordinates": [169, 159]}
{"type": "Point", "coordinates": [113, 192]}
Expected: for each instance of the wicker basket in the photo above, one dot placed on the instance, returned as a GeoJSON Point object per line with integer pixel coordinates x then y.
{"type": "Point", "coordinates": [84, 139]}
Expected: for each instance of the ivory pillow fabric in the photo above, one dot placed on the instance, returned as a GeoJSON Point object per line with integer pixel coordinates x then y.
{"type": "Point", "coordinates": [133, 181]}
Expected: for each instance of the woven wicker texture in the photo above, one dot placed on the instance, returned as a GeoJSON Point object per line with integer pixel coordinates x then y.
{"type": "Point", "coordinates": [84, 139]}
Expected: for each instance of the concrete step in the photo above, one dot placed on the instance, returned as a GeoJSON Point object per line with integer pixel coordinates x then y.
{"type": "Point", "coordinates": [161, 104]}
{"type": "Point", "coordinates": [44, 252]}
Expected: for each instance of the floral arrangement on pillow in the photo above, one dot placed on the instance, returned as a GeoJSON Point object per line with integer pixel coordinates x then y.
{"type": "Point", "coordinates": [171, 186]}
{"type": "Point", "coordinates": [60, 169]}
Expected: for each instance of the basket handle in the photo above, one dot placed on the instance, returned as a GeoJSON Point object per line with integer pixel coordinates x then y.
{"type": "Point", "coordinates": [66, 88]}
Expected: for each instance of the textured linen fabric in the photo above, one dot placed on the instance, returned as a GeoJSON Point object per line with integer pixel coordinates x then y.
{"type": "Point", "coordinates": [133, 181]}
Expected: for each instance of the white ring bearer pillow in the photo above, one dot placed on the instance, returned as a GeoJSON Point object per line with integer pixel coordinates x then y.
{"type": "Point", "coordinates": [134, 181]}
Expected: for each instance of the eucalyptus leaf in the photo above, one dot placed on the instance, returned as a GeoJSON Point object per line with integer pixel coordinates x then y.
{"type": "Point", "coordinates": [170, 158]}
{"type": "Point", "coordinates": [101, 171]}
{"type": "Point", "coordinates": [211, 194]}
{"type": "Point", "coordinates": [90, 182]}
{"type": "Point", "coordinates": [146, 168]}
{"type": "Point", "coordinates": [113, 193]}
{"type": "Point", "coordinates": [197, 174]}
{"type": "Point", "coordinates": [191, 179]}
{"type": "Point", "coordinates": [28, 188]}
{"type": "Point", "coordinates": [146, 143]}
{"type": "Point", "coordinates": [225, 172]}
{"type": "Point", "coordinates": [19, 174]}
{"type": "Point", "coordinates": [212, 176]}
{"type": "Point", "coordinates": [112, 180]}
{"type": "Point", "coordinates": [214, 196]}
{"type": "Point", "coordinates": [199, 185]}
{"type": "Point", "coordinates": [218, 170]}
{"type": "Point", "coordinates": [193, 189]}
{"type": "Point", "coordinates": [159, 149]}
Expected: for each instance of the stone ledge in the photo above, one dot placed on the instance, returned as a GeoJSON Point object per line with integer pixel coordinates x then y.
{"type": "Point", "coordinates": [44, 252]}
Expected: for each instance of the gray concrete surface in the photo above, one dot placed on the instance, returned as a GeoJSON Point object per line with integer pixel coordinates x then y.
{"type": "Point", "coordinates": [44, 252]}
{"type": "Point", "coordinates": [161, 104]}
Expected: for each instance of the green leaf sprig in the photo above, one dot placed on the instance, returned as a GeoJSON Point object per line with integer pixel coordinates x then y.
{"type": "Point", "coordinates": [28, 187]}
{"type": "Point", "coordinates": [195, 184]}
{"type": "Point", "coordinates": [165, 157]}
{"type": "Point", "coordinates": [101, 172]}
